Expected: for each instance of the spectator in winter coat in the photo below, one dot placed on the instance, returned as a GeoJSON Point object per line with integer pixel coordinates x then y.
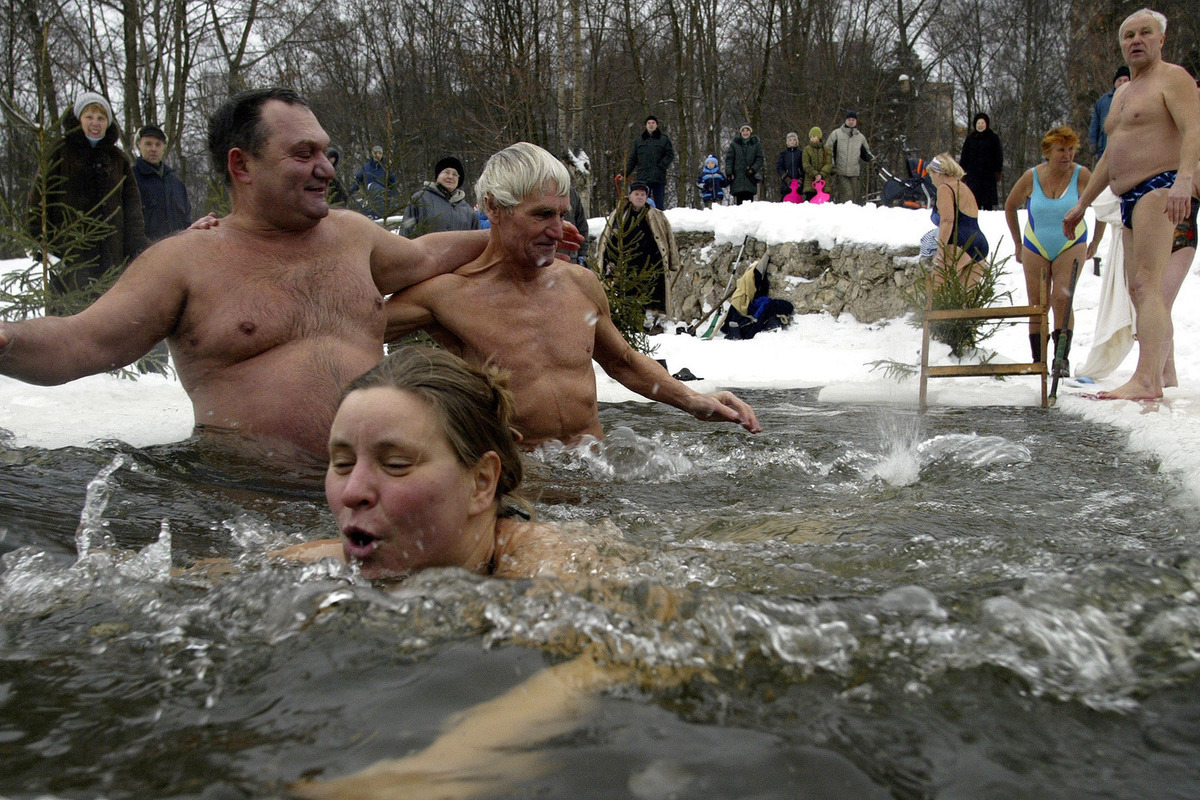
{"type": "Point", "coordinates": [744, 164]}
{"type": "Point", "coordinates": [378, 184]}
{"type": "Point", "coordinates": [711, 181]}
{"type": "Point", "coordinates": [850, 150]}
{"type": "Point", "coordinates": [88, 173]}
{"type": "Point", "coordinates": [789, 166]}
{"type": "Point", "coordinates": [1096, 134]}
{"type": "Point", "coordinates": [165, 206]}
{"type": "Point", "coordinates": [983, 160]}
{"type": "Point", "coordinates": [650, 156]}
{"type": "Point", "coordinates": [440, 205]}
{"type": "Point", "coordinates": [648, 236]}
{"type": "Point", "coordinates": [817, 161]}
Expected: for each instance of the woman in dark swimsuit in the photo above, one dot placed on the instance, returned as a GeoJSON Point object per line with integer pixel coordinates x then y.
{"type": "Point", "coordinates": [956, 213]}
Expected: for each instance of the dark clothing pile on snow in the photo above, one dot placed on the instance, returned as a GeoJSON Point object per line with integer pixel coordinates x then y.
{"type": "Point", "coordinates": [91, 179]}
{"type": "Point", "coordinates": [165, 206]}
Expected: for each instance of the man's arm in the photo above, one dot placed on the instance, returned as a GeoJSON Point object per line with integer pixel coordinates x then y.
{"type": "Point", "coordinates": [642, 374]}
{"type": "Point", "coordinates": [1183, 103]}
{"type": "Point", "coordinates": [141, 309]}
{"type": "Point", "coordinates": [397, 262]}
{"type": "Point", "coordinates": [409, 311]}
{"type": "Point", "coordinates": [1088, 196]}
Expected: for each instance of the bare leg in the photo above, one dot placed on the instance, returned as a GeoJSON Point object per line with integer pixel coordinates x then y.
{"type": "Point", "coordinates": [1033, 264]}
{"type": "Point", "coordinates": [1177, 269]}
{"type": "Point", "coordinates": [1147, 248]}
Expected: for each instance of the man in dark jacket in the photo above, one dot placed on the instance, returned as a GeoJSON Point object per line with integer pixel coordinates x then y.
{"type": "Point", "coordinates": [378, 183]}
{"type": "Point", "coordinates": [789, 166]}
{"type": "Point", "coordinates": [165, 206]}
{"type": "Point", "coordinates": [651, 154]}
{"type": "Point", "coordinates": [1096, 134]}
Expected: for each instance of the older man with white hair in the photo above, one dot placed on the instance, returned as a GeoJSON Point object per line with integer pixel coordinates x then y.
{"type": "Point", "coordinates": [1150, 162]}
{"type": "Point", "coordinates": [541, 319]}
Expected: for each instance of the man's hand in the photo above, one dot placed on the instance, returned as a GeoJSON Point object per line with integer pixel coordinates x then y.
{"type": "Point", "coordinates": [207, 222]}
{"type": "Point", "coordinates": [1071, 221]}
{"type": "Point", "coordinates": [1179, 202]}
{"type": "Point", "coordinates": [724, 406]}
{"type": "Point", "coordinates": [569, 245]}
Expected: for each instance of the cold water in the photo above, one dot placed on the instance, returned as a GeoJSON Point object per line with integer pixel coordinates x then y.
{"type": "Point", "coordinates": [976, 603]}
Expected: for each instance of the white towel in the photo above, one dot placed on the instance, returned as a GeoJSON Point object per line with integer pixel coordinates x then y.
{"type": "Point", "coordinates": [1116, 321]}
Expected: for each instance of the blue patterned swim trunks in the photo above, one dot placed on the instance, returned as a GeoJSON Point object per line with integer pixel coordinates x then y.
{"type": "Point", "coordinates": [1163, 180]}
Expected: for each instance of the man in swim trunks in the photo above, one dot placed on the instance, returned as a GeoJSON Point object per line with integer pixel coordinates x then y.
{"type": "Point", "coordinates": [267, 315]}
{"type": "Point", "coordinates": [1151, 163]}
{"type": "Point", "coordinates": [542, 320]}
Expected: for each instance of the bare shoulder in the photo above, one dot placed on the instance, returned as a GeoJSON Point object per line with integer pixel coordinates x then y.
{"type": "Point", "coordinates": [561, 550]}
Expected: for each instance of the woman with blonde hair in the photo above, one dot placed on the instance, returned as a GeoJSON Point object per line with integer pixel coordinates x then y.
{"type": "Point", "coordinates": [1048, 191]}
{"type": "Point", "coordinates": [961, 243]}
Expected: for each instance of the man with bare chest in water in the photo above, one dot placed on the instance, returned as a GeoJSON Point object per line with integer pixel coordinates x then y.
{"type": "Point", "coordinates": [268, 314]}
{"type": "Point", "coordinates": [1150, 162]}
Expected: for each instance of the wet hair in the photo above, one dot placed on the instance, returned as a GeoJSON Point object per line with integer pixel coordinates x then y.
{"type": "Point", "coordinates": [945, 164]}
{"type": "Point", "coordinates": [238, 123]}
{"type": "Point", "coordinates": [475, 407]}
{"type": "Point", "coordinates": [1062, 135]}
{"type": "Point", "coordinates": [1157, 16]}
{"type": "Point", "coordinates": [520, 171]}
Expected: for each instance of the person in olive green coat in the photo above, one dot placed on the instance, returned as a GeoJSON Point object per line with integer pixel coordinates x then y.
{"type": "Point", "coordinates": [817, 161]}
{"type": "Point", "coordinates": [744, 164]}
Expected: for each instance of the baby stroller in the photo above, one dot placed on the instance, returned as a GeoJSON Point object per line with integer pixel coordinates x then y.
{"type": "Point", "coordinates": [916, 192]}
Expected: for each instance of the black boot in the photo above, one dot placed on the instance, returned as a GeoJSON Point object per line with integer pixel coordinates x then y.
{"type": "Point", "coordinates": [1035, 345]}
{"type": "Point", "coordinates": [1062, 367]}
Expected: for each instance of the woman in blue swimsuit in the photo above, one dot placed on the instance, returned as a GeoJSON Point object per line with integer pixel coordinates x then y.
{"type": "Point", "coordinates": [1047, 192]}
{"type": "Point", "coordinates": [956, 214]}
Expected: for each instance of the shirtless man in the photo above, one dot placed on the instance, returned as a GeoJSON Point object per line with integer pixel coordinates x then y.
{"type": "Point", "coordinates": [269, 314]}
{"type": "Point", "coordinates": [1153, 132]}
{"type": "Point", "coordinates": [542, 320]}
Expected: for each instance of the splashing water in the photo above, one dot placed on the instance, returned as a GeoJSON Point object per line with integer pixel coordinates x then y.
{"type": "Point", "coordinates": [91, 521]}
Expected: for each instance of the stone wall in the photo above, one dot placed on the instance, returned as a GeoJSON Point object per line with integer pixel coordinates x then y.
{"type": "Point", "coordinates": [864, 279]}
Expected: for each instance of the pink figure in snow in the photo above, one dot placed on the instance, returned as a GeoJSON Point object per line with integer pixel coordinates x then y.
{"type": "Point", "coordinates": [821, 196]}
{"type": "Point", "coordinates": [794, 195]}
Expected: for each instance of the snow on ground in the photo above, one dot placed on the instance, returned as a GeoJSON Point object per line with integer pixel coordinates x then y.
{"type": "Point", "coordinates": [817, 350]}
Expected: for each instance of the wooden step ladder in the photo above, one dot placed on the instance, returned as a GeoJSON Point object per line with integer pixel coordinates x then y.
{"type": "Point", "coordinates": [1042, 311]}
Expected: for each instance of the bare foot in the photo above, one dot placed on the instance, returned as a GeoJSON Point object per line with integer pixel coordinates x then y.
{"type": "Point", "coordinates": [1132, 391]}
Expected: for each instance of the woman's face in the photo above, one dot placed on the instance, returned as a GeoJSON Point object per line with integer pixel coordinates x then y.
{"type": "Point", "coordinates": [1061, 154]}
{"type": "Point", "coordinates": [448, 178]}
{"type": "Point", "coordinates": [94, 121]}
{"type": "Point", "coordinates": [400, 496]}
{"type": "Point", "coordinates": [981, 124]}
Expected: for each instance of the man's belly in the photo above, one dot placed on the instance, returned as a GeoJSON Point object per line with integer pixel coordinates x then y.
{"type": "Point", "coordinates": [288, 394]}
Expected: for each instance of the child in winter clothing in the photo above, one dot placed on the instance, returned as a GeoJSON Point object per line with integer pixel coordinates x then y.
{"type": "Point", "coordinates": [818, 162]}
{"type": "Point", "coordinates": [711, 181]}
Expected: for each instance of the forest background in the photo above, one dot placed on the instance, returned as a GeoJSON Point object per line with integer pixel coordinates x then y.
{"type": "Point", "coordinates": [426, 78]}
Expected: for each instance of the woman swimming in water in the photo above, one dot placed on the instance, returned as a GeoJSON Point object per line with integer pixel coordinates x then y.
{"type": "Point", "coordinates": [424, 471]}
{"type": "Point", "coordinates": [1048, 191]}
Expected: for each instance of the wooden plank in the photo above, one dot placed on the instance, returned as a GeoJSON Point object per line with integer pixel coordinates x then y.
{"type": "Point", "coordinates": [984, 313]}
{"type": "Point", "coordinates": [963, 370]}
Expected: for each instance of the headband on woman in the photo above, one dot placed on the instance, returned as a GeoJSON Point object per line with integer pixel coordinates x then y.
{"type": "Point", "coordinates": [936, 166]}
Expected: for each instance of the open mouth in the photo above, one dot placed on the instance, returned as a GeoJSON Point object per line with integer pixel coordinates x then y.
{"type": "Point", "coordinates": [358, 544]}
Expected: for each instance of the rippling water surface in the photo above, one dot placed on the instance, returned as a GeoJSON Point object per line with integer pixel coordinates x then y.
{"type": "Point", "coordinates": [974, 603]}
